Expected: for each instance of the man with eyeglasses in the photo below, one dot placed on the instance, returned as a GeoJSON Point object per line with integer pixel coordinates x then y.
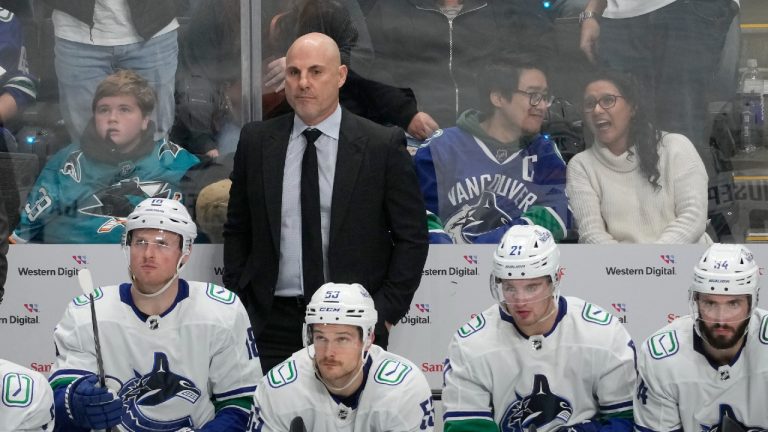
{"type": "Point", "coordinates": [494, 169]}
{"type": "Point", "coordinates": [536, 360]}
{"type": "Point", "coordinates": [341, 381]}
{"type": "Point", "coordinates": [708, 371]}
{"type": "Point", "coordinates": [177, 355]}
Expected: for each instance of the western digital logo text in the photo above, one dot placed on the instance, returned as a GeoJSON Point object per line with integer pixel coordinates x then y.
{"type": "Point", "coordinates": [450, 271]}
{"type": "Point", "coordinates": [417, 319]}
{"type": "Point", "coordinates": [640, 271]}
{"type": "Point", "coordinates": [23, 320]}
{"type": "Point", "coordinates": [58, 271]}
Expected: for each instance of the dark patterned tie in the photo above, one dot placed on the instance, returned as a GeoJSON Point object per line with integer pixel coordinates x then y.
{"type": "Point", "coordinates": [311, 237]}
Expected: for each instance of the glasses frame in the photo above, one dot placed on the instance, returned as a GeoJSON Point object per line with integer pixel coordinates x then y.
{"type": "Point", "coordinates": [535, 98]}
{"type": "Point", "coordinates": [600, 100]}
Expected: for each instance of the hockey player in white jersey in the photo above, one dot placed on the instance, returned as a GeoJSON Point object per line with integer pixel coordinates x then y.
{"type": "Point", "coordinates": [537, 361]}
{"type": "Point", "coordinates": [708, 371]}
{"type": "Point", "coordinates": [340, 382]}
{"type": "Point", "coordinates": [27, 399]}
{"type": "Point", "coordinates": [178, 355]}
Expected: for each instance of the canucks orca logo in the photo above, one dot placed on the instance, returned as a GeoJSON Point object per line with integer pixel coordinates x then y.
{"type": "Point", "coordinates": [159, 388]}
{"type": "Point", "coordinates": [473, 221]}
{"type": "Point", "coordinates": [541, 408]}
{"type": "Point", "coordinates": [729, 423]}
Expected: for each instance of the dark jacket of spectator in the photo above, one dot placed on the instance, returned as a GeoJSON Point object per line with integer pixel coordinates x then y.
{"type": "Point", "coordinates": [417, 47]}
{"type": "Point", "coordinates": [149, 16]}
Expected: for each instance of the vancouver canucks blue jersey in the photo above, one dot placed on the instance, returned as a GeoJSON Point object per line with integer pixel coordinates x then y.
{"type": "Point", "coordinates": [80, 200]}
{"type": "Point", "coordinates": [478, 197]}
{"type": "Point", "coordinates": [14, 75]}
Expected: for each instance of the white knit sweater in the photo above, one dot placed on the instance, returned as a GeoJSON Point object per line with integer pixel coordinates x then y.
{"type": "Point", "coordinates": [614, 203]}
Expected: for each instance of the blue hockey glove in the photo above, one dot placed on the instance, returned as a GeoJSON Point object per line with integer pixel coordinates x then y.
{"type": "Point", "coordinates": [92, 407]}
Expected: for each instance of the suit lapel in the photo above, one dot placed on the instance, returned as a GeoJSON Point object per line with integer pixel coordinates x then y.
{"type": "Point", "coordinates": [348, 160]}
{"type": "Point", "coordinates": [273, 165]}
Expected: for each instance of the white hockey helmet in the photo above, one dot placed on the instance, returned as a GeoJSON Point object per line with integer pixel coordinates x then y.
{"type": "Point", "coordinates": [164, 214]}
{"type": "Point", "coordinates": [725, 269]}
{"type": "Point", "coordinates": [337, 303]}
{"type": "Point", "coordinates": [525, 252]}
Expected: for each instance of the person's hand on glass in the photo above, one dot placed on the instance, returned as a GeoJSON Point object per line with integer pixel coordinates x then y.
{"type": "Point", "coordinates": [274, 75]}
{"type": "Point", "coordinates": [590, 36]}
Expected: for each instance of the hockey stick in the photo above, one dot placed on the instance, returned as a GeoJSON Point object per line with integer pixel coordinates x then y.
{"type": "Point", "coordinates": [297, 425]}
{"type": "Point", "coordinates": [86, 284]}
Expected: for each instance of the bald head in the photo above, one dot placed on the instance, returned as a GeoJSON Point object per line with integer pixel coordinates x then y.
{"type": "Point", "coordinates": [313, 76]}
{"type": "Point", "coordinates": [318, 42]}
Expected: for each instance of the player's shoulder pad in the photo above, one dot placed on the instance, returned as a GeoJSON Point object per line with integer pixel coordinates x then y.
{"type": "Point", "coordinates": [18, 389]}
{"type": "Point", "coordinates": [392, 371]}
{"type": "Point", "coordinates": [594, 314]}
{"type": "Point", "coordinates": [663, 344]}
{"type": "Point", "coordinates": [283, 374]}
{"type": "Point", "coordinates": [220, 294]}
{"type": "Point", "coordinates": [472, 326]}
{"type": "Point", "coordinates": [82, 300]}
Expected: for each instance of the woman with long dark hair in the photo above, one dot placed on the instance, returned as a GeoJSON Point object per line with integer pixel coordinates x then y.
{"type": "Point", "coordinates": [635, 184]}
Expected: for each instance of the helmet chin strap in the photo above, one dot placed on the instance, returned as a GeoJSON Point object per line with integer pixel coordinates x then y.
{"type": "Point", "coordinates": [701, 334]}
{"type": "Point", "coordinates": [165, 287]}
{"type": "Point", "coordinates": [364, 357]}
{"type": "Point", "coordinates": [553, 309]}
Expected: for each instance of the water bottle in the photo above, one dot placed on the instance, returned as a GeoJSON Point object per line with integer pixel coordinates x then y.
{"type": "Point", "coordinates": [752, 112]}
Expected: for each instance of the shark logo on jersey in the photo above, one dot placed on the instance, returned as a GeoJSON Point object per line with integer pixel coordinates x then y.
{"type": "Point", "coordinates": [541, 408]}
{"type": "Point", "coordinates": [729, 423]}
{"type": "Point", "coordinates": [116, 202]}
{"type": "Point", "coordinates": [159, 391]}
{"type": "Point", "coordinates": [472, 221]}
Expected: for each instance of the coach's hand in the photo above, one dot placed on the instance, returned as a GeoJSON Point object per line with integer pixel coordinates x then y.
{"type": "Point", "coordinates": [90, 406]}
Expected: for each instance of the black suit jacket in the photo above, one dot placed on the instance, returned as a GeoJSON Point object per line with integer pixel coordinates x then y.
{"type": "Point", "coordinates": [378, 236]}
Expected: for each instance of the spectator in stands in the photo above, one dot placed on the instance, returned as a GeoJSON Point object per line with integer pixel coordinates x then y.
{"type": "Point", "coordinates": [494, 169]}
{"type": "Point", "coordinates": [96, 38]}
{"type": "Point", "coordinates": [18, 89]}
{"type": "Point", "coordinates": [672, 46]}
{"type": "Point", "coordinates": [88, 188]}
{"type": "Point", "coordinates": [636, 183]}
{"type": "Point", "coordinates": [209, 90]}
{"type": "Point", "coordinates": [435, 46]}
